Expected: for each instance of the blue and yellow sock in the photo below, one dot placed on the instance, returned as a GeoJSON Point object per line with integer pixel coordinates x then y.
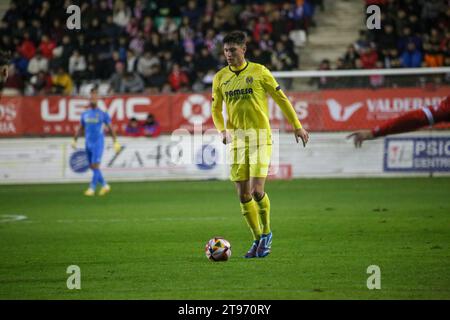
{"type": "Point", "coordinates": [250, 212]}
{"type": "Point", "coordinates": [100, 178]}
{"type": "Point", "coordinates": [94, 180]}
{"type": "Point", "coordinates": [264, 213]}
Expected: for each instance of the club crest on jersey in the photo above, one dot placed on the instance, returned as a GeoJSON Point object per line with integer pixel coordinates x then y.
{"type": "Point", "coordinates": [249, 79]}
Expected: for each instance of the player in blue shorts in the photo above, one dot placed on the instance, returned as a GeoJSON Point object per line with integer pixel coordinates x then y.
{"type": "Point", "coordinates": [92, 122]}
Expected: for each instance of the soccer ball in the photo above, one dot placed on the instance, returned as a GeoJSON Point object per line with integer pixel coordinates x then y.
{"type": "Point", "coordinates": [218, 249]}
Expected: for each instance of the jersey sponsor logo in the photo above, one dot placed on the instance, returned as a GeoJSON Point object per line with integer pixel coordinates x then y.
{"type": "Point", "coordinates": [238, 93]}
{"type": "Point", "coordinates": [340, 113]}
{"type": "Point", "coordinates": [92, 120]}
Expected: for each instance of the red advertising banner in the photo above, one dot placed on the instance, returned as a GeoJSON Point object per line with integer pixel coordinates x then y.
{"type": "Point", "coordinates": [326, 110]}
{"type": "Point", "coordinates": [11, 117]}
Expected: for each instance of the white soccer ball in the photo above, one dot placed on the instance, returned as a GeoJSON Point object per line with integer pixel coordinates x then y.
{"type": "Point", "coordinates": [218, 249]}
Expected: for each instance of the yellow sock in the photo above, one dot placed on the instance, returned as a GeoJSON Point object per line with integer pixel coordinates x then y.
{"type": "Point", "coordinates": [250, 213]}
{"type": "Point", "coordinates": [264, 213]}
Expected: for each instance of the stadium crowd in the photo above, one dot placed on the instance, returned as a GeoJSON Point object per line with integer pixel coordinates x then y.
{"type": "Point", "coordinates": [143, 46]}
{"type": "Point", "coordinates": [413, 34]}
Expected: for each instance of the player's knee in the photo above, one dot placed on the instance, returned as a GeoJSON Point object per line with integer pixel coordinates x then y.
{"type": "Point", "coordinates": [257, 195]}
{"type": "Point", "coordinates": [245, 197]}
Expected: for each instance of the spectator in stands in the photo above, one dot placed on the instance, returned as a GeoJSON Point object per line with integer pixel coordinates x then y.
{"type": "Point", "coordinates": [178, 79]}
{"type": "Point", "coordinates": [145, 65]}
{"type": "Point", "coordinates": [133, 128]}
{"type": "Point", "coordinates": [57, 31]}
{"type": "Point", "coordinates": [151, 127]}
{"type": "Point", "coordinates": [147, 25]}
{"type": "Point", "coordinates": [62, 82]}
{"type": "Point", "coordinates": [14, 83]}
{"type": "Point", "coordinates": [131, 61]}
{"type": "Point", "coordinates": [430, 12]}
{"type": "Point", "coordinates": [406, 38]}
{"type": "Point", "coordinates": [109, 28]}
{"type": "Point", "coordinates": [137, 43]}
{"type": "Point", "coordinates": [433, 56]}
{"type": "Point", "coordinates": [411, 57]}
{"type": "Point", "coordinates": [47, 46]}
{"type": "Point", "coordinates": [121, 13]}
{"type": "Point", "coordinates": [41, 84]}
{"type": "Point", "coordinates": [20, 63]}
{"type": "Point", "coordinates": [261, 26]}
{"type": "Point", "coordinates": [167, 26]}
{"type": "Point", "coordinates": [192, 12]}
{"type": "Point", "coordinates": [324, 82]}
{"type": "Point", "coordinates": [115, 82]}
{"type": "Point", "coordinates": [205, 61]}
{"type": "Point", "coordinates": [257, 55]}
{"type": "Point", "coordinates": [132, 83]}
{"type": "Point", "coordinates": [77, 68]}
{"type": "Point", "coordinates": [388, 40]}
{"type": "Point", "coordinates": [225, 14]}
{"type": "Point", "coordinates": [157, 80]}
{"type": "Point", "coordinates": [62, 53]}
{"type": "Point", "coordinates": [37, 64]}
{"type": "Point", "coordinates": [27, 48]}
{"type": "Point", "coordinates": [392, 59]}
{"type": "Point", "coordinates": [104, 11]}
{"type": "Point", "coordinates": [350, 56]}
{"type": "Point", "coordinates": [369, 57]}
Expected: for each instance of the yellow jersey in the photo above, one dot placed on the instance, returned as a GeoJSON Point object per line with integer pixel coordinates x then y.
{"type": "Point", "coordinates": [244, 92]}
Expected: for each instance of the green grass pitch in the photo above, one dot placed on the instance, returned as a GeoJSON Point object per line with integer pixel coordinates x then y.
{"type": "Point", "coordinates": [146, 241]}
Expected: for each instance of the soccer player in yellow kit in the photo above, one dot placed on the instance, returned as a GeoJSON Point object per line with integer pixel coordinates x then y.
{"type": "Point", "coordinates": [243, 86]}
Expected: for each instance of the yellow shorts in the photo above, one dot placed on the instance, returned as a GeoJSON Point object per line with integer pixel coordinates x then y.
{"type": "Point", "coordinates": [250, 162]}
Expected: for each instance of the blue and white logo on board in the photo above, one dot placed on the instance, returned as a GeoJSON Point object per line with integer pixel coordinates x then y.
{"type": "Point", "coordinates": [79, 161]}
{"type": "Point", "coordinates": [206, 157]}
{"type": "Point", "coordinates": [417, 154]}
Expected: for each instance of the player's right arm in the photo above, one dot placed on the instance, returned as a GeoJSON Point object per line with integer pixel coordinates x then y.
{"type": "Point", "coordinates": [216, 110]}
{"type": "Point", "coordinates": [409, 121]}
{"type": "Point", "coordinates": [78, 133]}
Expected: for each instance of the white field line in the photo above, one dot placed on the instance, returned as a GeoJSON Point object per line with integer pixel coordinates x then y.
{"type": "Point", "coordinates": [96, 220]}
{"type": "Point", "coordinates": [11, 218]}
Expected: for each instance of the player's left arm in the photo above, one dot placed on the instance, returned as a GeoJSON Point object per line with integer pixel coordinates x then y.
{"type": "Point", "coordinates": [107, 122]}
{"type": "Point", "coordinates": [273, 88]}
{"type": "Point", "coordinates": [407, 122]}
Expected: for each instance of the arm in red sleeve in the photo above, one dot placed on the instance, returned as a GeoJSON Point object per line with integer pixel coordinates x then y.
{"type": "Point", "coordinates": [415, 119]}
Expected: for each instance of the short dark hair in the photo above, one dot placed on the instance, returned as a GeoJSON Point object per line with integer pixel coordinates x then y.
{"type": "Point", "coordinates": [237, 37]}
